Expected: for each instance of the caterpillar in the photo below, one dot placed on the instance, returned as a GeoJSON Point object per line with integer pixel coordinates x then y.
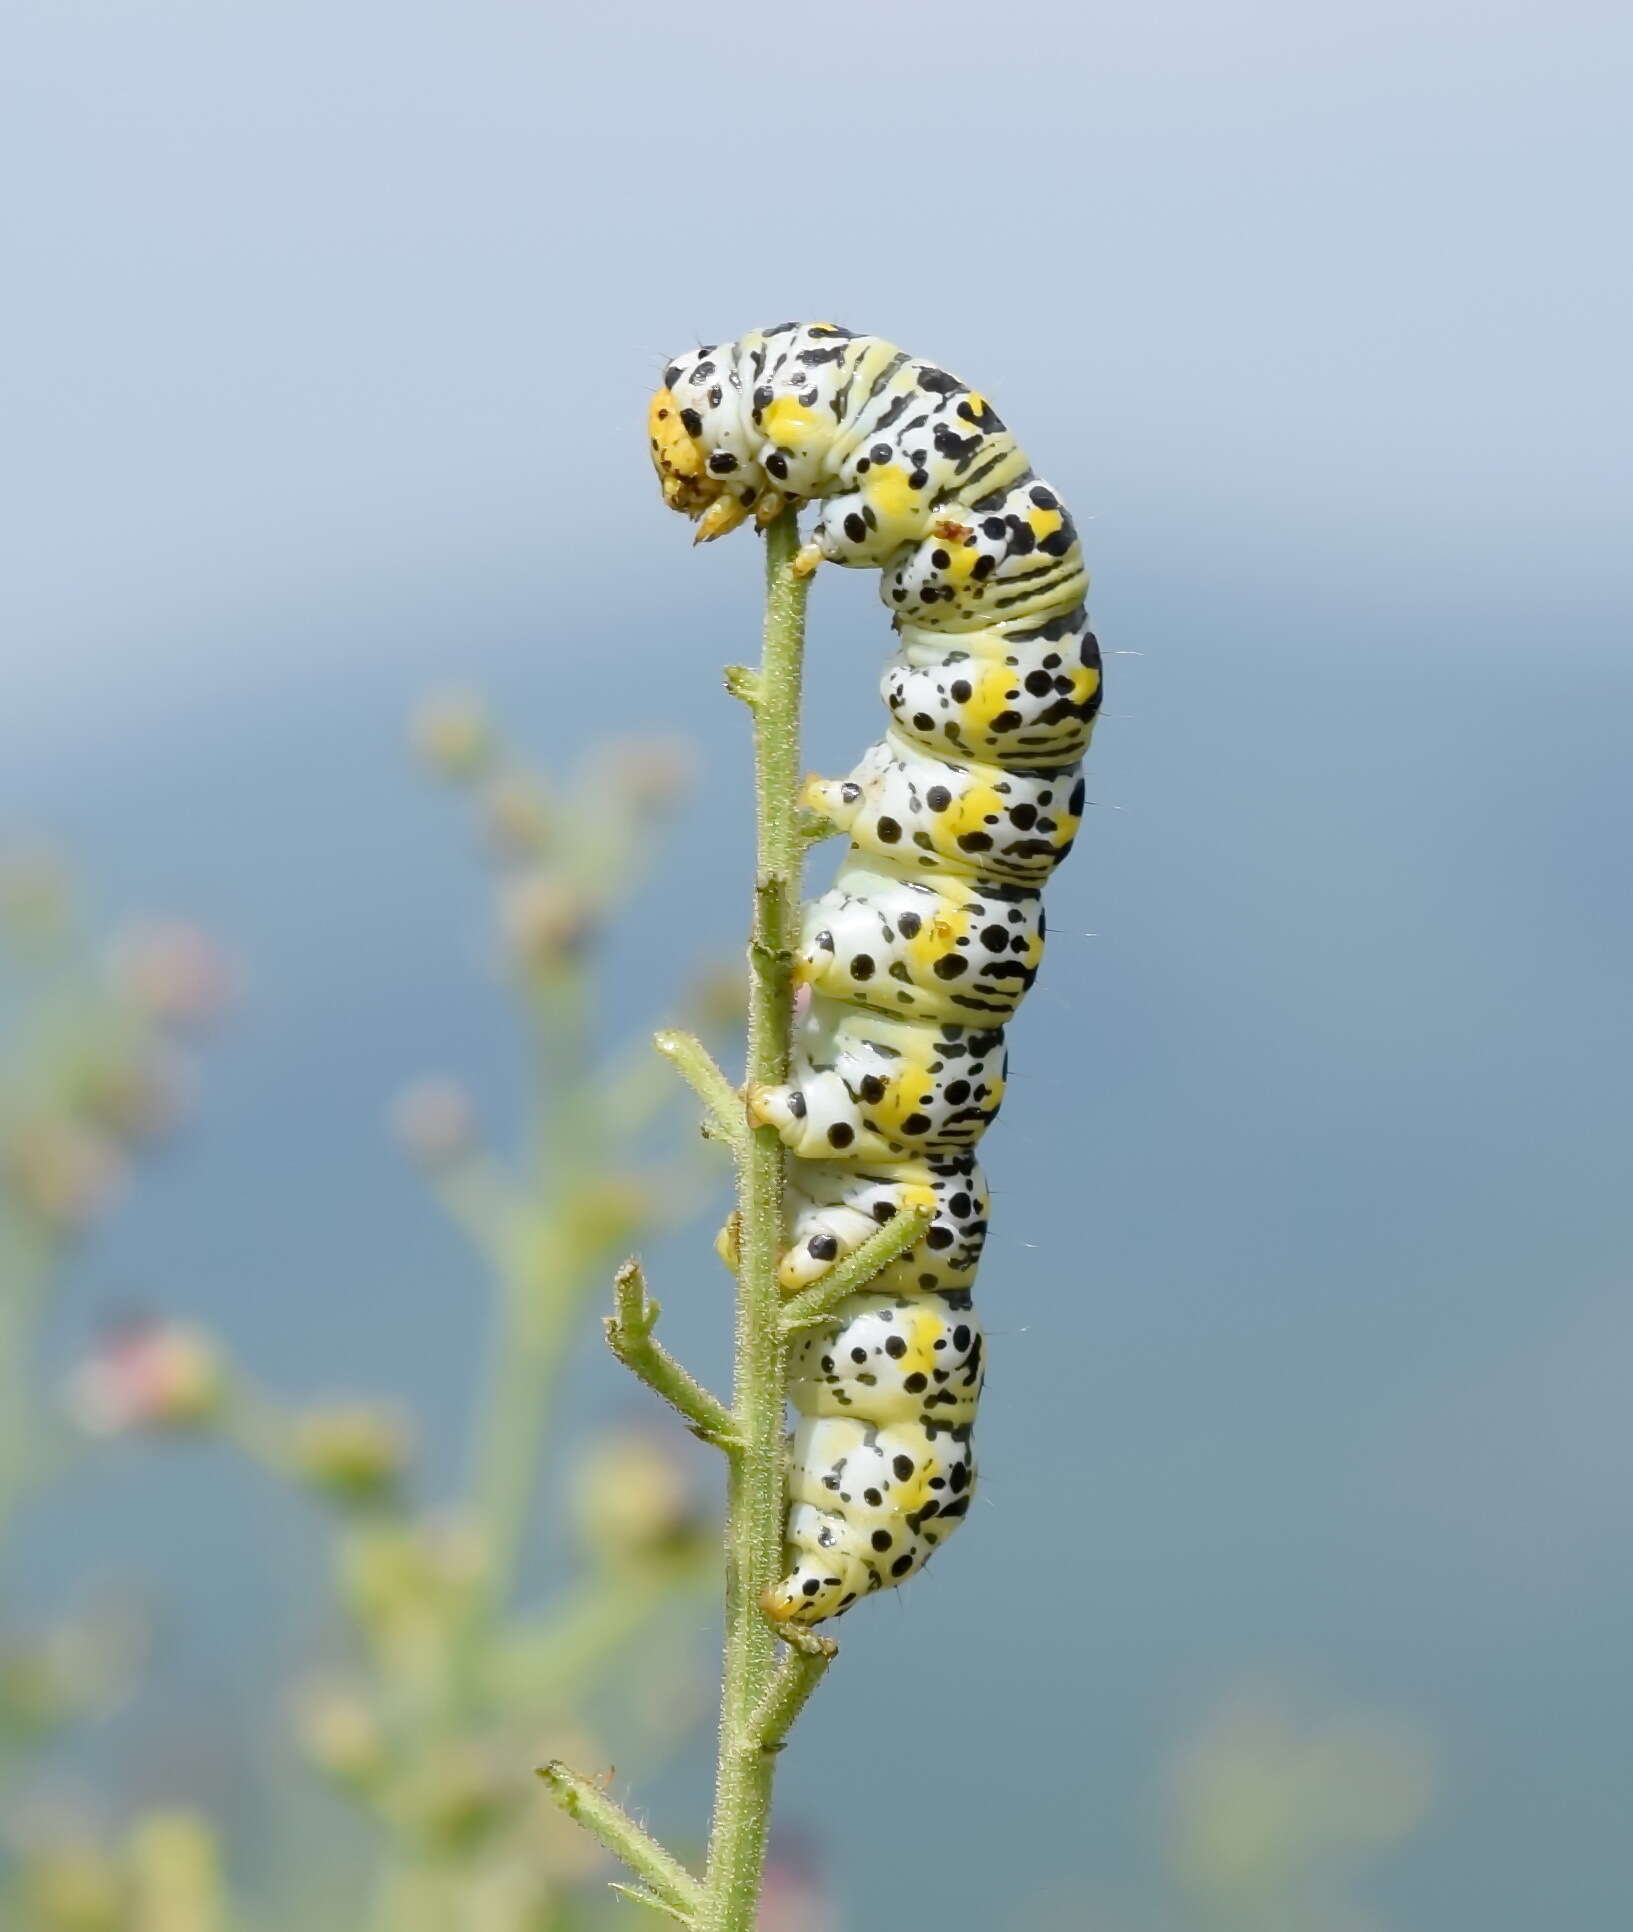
{"type": "Point", "coordinates": [915, 959]}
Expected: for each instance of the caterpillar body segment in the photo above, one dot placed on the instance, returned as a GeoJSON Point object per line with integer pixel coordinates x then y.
{"type": "Point", "coordinates": [932, 932]}
{"type": "Point", "coordinates": [955, 950]}
{"type": "Point", "coordinates": [926, 816]}
{"type": "Point", "coordinates": [880, 1088]}
{"type": "Point", "coordinates": [883, 1466]}
{"type": "Point", "coordinates": [834, 1206]}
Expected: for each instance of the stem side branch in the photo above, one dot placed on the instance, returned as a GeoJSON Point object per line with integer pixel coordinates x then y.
{"type": "Point", "coordinates": [722, 1103]}
{"type": "Point", "coordinates": [607, 1820]}
{"type": "Point", "coordinates": [814, 1304]}
{"type": "Point", "coordinates": [630, 1337]}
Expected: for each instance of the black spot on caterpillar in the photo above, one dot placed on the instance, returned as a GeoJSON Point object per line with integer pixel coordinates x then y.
{"type": "Point", "coordinates": [930, 935]}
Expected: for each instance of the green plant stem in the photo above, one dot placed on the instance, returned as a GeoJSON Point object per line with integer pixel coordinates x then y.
{"type": "Point", "coordinates": [630, 1337]}
{"type": "Point", "coordinates": [541, 1276]}
{"type": "Point", "coordinates": [722, 1102]}
{"type": "Point", "coordinates": [533, 1326]}
{"type": "Point", "coordinates": [560, 1660]}
{"type": "Point", "coordinates": [814, 1304]}
{"type": "Point", "coordinates": [756, 1480]}
{"type": "Point", "coordinates": [802, 1669]}
{"type": "Point", "coordinates": [567, 1137]}
{"type": "Point", "coordinates": [609, 1822]}
{"type": "Point", "coordinates": [759, 1700]}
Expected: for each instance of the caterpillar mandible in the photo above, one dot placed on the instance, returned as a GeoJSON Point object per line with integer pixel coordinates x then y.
{"type": "Point", "coordinates": [929, 937]}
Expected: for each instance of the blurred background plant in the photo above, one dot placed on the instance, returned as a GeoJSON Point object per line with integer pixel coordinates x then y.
{"type": "Point", "coordinates": [1272, 1818]}
{"type": "Point", "coordinates": [95, 1074]}
{"type": "Point", "coordinates": [450, 1684]}
{"type": "Point", "coordinates": [1273, 1814]}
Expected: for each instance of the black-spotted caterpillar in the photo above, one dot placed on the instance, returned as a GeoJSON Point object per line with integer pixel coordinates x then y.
{"type": "Point", "coordinates": [931, 933]}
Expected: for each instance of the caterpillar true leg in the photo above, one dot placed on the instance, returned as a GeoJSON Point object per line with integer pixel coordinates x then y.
{"type": "Point", "coordinates": [722, 516]}
{"type": "Point", "coordinates": [932, 932]}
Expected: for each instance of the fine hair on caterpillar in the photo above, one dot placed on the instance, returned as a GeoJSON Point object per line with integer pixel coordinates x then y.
{"type": "Point", "coordinates": [919, 953]}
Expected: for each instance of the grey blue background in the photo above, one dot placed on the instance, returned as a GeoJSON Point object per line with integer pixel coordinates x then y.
{"type": "Point", "coordinates": [326, 336]}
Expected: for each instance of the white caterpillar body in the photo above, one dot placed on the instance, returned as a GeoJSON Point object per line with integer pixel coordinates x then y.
{"type": "Point", "coordinates": [931, 934]}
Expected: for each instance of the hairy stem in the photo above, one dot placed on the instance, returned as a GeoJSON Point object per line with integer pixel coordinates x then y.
{"type": "Point", "coordinates": [630, 1337]}
{"type": "Point", "coordinates": [609, 1822]}
{"type": "Point", "coordinates": [804, 1667]}
{"type": "Point", "coordinates": [814, 1304]}
{"type": "Point", "coordinates": [755, 1492]}
{"type": "Point", "coordinates": [759, 1701]}
{"type": "Point", "coordinates": [723, 1103]}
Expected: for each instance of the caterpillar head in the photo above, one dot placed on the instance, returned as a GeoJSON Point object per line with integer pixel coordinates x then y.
{"type": "Point", "coordinates": [706, 463]}
{"type": "Point", "coordinates": [679, 457]}
{"type": "Point", "coordinates": [689, 483]}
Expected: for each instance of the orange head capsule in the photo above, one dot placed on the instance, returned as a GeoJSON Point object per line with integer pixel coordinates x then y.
{"type": "Point", "coordinates": [679, 458]}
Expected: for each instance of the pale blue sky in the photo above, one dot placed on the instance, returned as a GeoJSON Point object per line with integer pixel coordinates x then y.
{"type": "Point", "coordinates": [311, 292]}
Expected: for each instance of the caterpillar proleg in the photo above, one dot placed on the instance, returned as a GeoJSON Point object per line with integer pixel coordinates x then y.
{"type": "Point", "coordinates": [931, 934]}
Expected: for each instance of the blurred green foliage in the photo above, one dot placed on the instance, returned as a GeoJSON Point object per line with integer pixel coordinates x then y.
{"type": "Point", "coordinates": [453, 1685]}
{"type": "Point", "coordinates": [95, 1070]}
{"type": "Point", "coordinates": [1272, 1818]}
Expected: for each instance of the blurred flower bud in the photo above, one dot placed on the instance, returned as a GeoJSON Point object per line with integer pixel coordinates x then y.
{"type": "Point", "coordinates": [382, 1572]}
{"type": "Point", "coordinates": [452, 736]}
{"type": "Point", "coordinates": [408, 1581]}
{"type": "Point", "coordinates": [171, 971]}
{"type": "Point", "coordinates": [34, 897]}
{"type": "Point", "coordinates": [32, 1695]}
{"type": "Point", "coordinates": [545, 921]}
{"type": "Point", "coordinates": [455, 1794]}
{"type": "Point", "coordinates": [176, 1878]}
{"type": "Point", "coordinates": [651, 773]}
{"type": "Point", "coordinates": [1259, 1800]}
{"type": "Point", "coordinates": [80, 1665]}
{"type": "Point", "coordinates": [516, 815]}
{"type": "Point", "coordinates": [433, 1122]}
{"type": "Point", "coordinates": [148, 1375]}
{"type": "Point", "coordinates": [60, 1172]}
{"type": "Point", "coordinates": [136, 1095]}
{"type": "Point", "coordinates": [351, 1452]}
{"type": "Point", "coordinates": [70, 1888]}
{"type": "Point", "coordinates": [633, 1498]}
{"type": "Point", "coordinates": [339, 1732]}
